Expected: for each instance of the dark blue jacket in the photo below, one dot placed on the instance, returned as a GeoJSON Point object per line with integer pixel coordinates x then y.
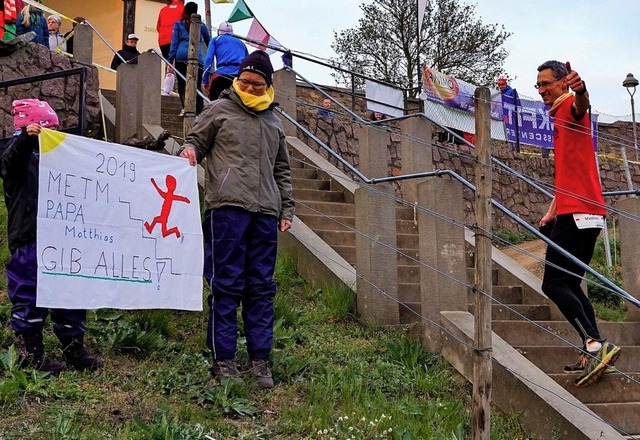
{"type": "Point", "coordinates": [19, 158]}
{"type": "Point", "coordinates": [38, 25]}
{"type": "Point", "coordinates": [180, 42]}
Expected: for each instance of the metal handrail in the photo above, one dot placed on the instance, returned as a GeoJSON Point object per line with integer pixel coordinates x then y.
{"type": "Point", "coordinates": [439, 173]}
{"type": "Point", "coordinates": [80, 71]}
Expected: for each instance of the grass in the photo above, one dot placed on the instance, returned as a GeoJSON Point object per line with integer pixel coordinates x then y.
{"type": "Point", "coordinates": [335, 378]}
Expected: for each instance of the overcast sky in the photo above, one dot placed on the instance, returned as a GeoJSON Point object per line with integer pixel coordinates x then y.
{"type": "Point", "coordinates": [600, 38]}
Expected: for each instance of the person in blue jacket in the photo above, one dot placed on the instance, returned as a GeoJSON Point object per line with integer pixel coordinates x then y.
{"type": "Point", "coordinates": [31, 19]}
{"type": "Point", "coordinates": [228, 52]}
{"type": "Point", "coordinates": [179, 51]}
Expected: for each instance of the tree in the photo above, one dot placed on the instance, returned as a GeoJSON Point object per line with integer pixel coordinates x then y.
{"type": "Point", "coordinates": [453, 41]}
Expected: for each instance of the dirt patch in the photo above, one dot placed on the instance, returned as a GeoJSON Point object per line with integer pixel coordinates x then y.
{"type": "Point", "coordinates": [529, 254]}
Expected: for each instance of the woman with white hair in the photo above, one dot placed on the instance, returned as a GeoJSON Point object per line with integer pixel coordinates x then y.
{"type": "Point", "coordinates": [55, 37]}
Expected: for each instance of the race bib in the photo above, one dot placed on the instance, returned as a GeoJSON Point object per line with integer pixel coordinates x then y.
{"type": "Point", "coordinates": [586, 221]}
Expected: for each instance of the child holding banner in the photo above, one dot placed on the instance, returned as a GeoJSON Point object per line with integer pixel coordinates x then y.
{"type": "Point", "coordinates": [19, 158]}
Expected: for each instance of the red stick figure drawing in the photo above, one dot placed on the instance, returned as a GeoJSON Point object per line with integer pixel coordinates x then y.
{"type": "Point", "coordinates": [169, 197]}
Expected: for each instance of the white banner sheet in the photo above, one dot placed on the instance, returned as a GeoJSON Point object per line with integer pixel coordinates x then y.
{"type": "Point", "coordinates": [118, 227]}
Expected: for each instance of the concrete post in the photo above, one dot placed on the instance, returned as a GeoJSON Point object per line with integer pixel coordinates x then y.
{"type": "Point", "coordinates": [284, 84]}
{"type": "Point", "coordinates": [148, 94]}
{"type": "Point", "coordinates": [442, 250]}
{"type": "Point", "coordinates": [416, 153]}
{"type": "Point", "coordinates": [126, 101]}
{"type": "Point", "coordinates": [630, 251]}
{"type": "Point", "coordinates": [83, 44]}
{"type": "Point", "coordinates": [376, 258]}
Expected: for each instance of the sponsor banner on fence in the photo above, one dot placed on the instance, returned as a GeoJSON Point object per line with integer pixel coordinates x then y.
{"type": "Point", "coordinates": [455, 93]}
{"type": "Point", "coordinates": [118, 227]}
{"type": "Point", "coordinates": [531, 124]}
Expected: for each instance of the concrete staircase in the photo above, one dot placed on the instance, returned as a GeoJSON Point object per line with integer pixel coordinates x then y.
{"type": "Point", "coordinates": [523, 352]}
{"type": "Point", "coordinates": [328, 209]}
{"type": "Point", "coordinates": [169, 112]}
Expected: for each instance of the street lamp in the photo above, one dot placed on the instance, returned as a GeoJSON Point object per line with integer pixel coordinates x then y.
{"type": "Point", "coordinates": [631, 83]}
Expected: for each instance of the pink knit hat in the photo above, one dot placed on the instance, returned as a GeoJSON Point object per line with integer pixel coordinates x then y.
{"type": "Point", "coordinates": [33, 111]}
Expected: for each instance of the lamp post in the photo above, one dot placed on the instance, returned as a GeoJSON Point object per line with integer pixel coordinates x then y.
{"type": "Point", "coordinates": [630, 83]}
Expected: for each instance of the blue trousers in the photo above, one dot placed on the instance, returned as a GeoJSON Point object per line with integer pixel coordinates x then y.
{"type": "Point", "coordinates": [26, 318]}
{"type": "Point", "coordinates": [564, 288]}
{"type": "Point", "coordinates": [240, 258]}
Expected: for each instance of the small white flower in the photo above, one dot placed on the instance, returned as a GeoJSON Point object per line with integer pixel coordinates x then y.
{"type": "Point", "coordinates": [389, 430]}
{"type": "Point", "coordinates": [326, 431]}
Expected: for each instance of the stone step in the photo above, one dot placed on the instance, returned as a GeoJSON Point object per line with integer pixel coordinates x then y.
{"type": "Point", "coordinates": [410, 313]}
{"type": "Point", "coordinates": [611, 388]}
{"type": "Point", "coordinates": [304, 173]}
{"type": "Point", "coordinates": [551, 359]}
{"type": "Point", "coordinates": [524, 333]}
{"type": "Point", "coordinates": [623, 416]}
{"type": "Point", "coordinates": [408, 241]}
{"type": "Point", "coordinates": [404, 212]}
{"type": "Point", "coordinates": [502, 294]}
{"type": "Point", "coordinates": [346, 252]}
{"type": "Point", "coordinates": [471, 274]}
{"type": "Point", "coordinates": [409, 273]}
{"type": "Point", "coordinates": [408, 257]}
{"type": "Point", "coordinates": [318, 195]}
{"type": "Point", "coordinates": [409, 292]}
{"type": "Point", "coordinates": [321, 222]}
{"type": "Point", "coordinates": [406, 226]}
{"type": "Point", "coordinates": [337, 237]}
{"type": "Point", "coordinates": [516, 311]}
{"type": "Point", "coordinates": [326, 208]}
{"type": "Point", "coordinates": [310, 184]}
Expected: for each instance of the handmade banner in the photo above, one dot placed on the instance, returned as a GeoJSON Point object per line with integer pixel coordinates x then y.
{"type": "Point", "coordinates": [118, 227]}
{"type": "Point", "coordinates": [455, 93]}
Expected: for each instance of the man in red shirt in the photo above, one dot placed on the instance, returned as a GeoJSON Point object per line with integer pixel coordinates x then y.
{"type": "Point", "coordinates": [576, 215]}
{"type": "Point", "coordinates": [167, 16]}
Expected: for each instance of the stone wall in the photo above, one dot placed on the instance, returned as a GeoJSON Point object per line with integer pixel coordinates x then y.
{"type": "Point", "coordinates": [341, 134]}
{"type": "Point", "coordinates": [62, 94]}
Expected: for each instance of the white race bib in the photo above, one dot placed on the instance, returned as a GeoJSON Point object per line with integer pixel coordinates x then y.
{"type": "Point", "coordinates": [585, 221]}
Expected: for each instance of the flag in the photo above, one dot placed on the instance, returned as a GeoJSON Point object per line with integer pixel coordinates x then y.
{"type": "Point", "coordinates": [223, 1]}
{"type": "Point", "coordinates": [258, 33]}
{"type": "Point", "coordinates": [240, 12]}
{"type": "Point", "coordinates": [422, 5]}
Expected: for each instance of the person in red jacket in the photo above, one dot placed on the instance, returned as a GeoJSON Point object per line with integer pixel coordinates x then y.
{"type": "Point", "coordinates": [167, 17]}
{"type": "Point", "coordinates": [576, 215]}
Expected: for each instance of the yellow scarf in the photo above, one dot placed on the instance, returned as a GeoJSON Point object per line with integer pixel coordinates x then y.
{"type": "Point", "coordinates": [557, 102]}
{"type": "Point", "coordinates": [257, 103]}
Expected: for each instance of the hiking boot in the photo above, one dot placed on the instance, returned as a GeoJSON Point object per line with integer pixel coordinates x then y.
{"type": "Point", "coordinates": [596, 366]}
{"type": "Point", "coordinates": [31, 350]}
{"type": "Point", "coordinates": [77, 356]}
{"type": "Point", "coordinates": [261, 372]}
{"type": "Point", "coordinates": [578, 366]}
{"type": "Point", "coordinates": [226, 370]}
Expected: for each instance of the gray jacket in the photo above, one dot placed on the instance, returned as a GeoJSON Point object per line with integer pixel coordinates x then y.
{"type": "Point", "coordinates": [247, 158]}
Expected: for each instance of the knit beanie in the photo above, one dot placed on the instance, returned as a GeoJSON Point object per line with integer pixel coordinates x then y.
{"type": "Point", "coordinates": [258, 62]}
{"type": "Point", "coordinates": [190, 8]}
{"type": "Point", "coordinates": [55, 17]}
{"type": "Point", "coordinates": [33, 111]}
